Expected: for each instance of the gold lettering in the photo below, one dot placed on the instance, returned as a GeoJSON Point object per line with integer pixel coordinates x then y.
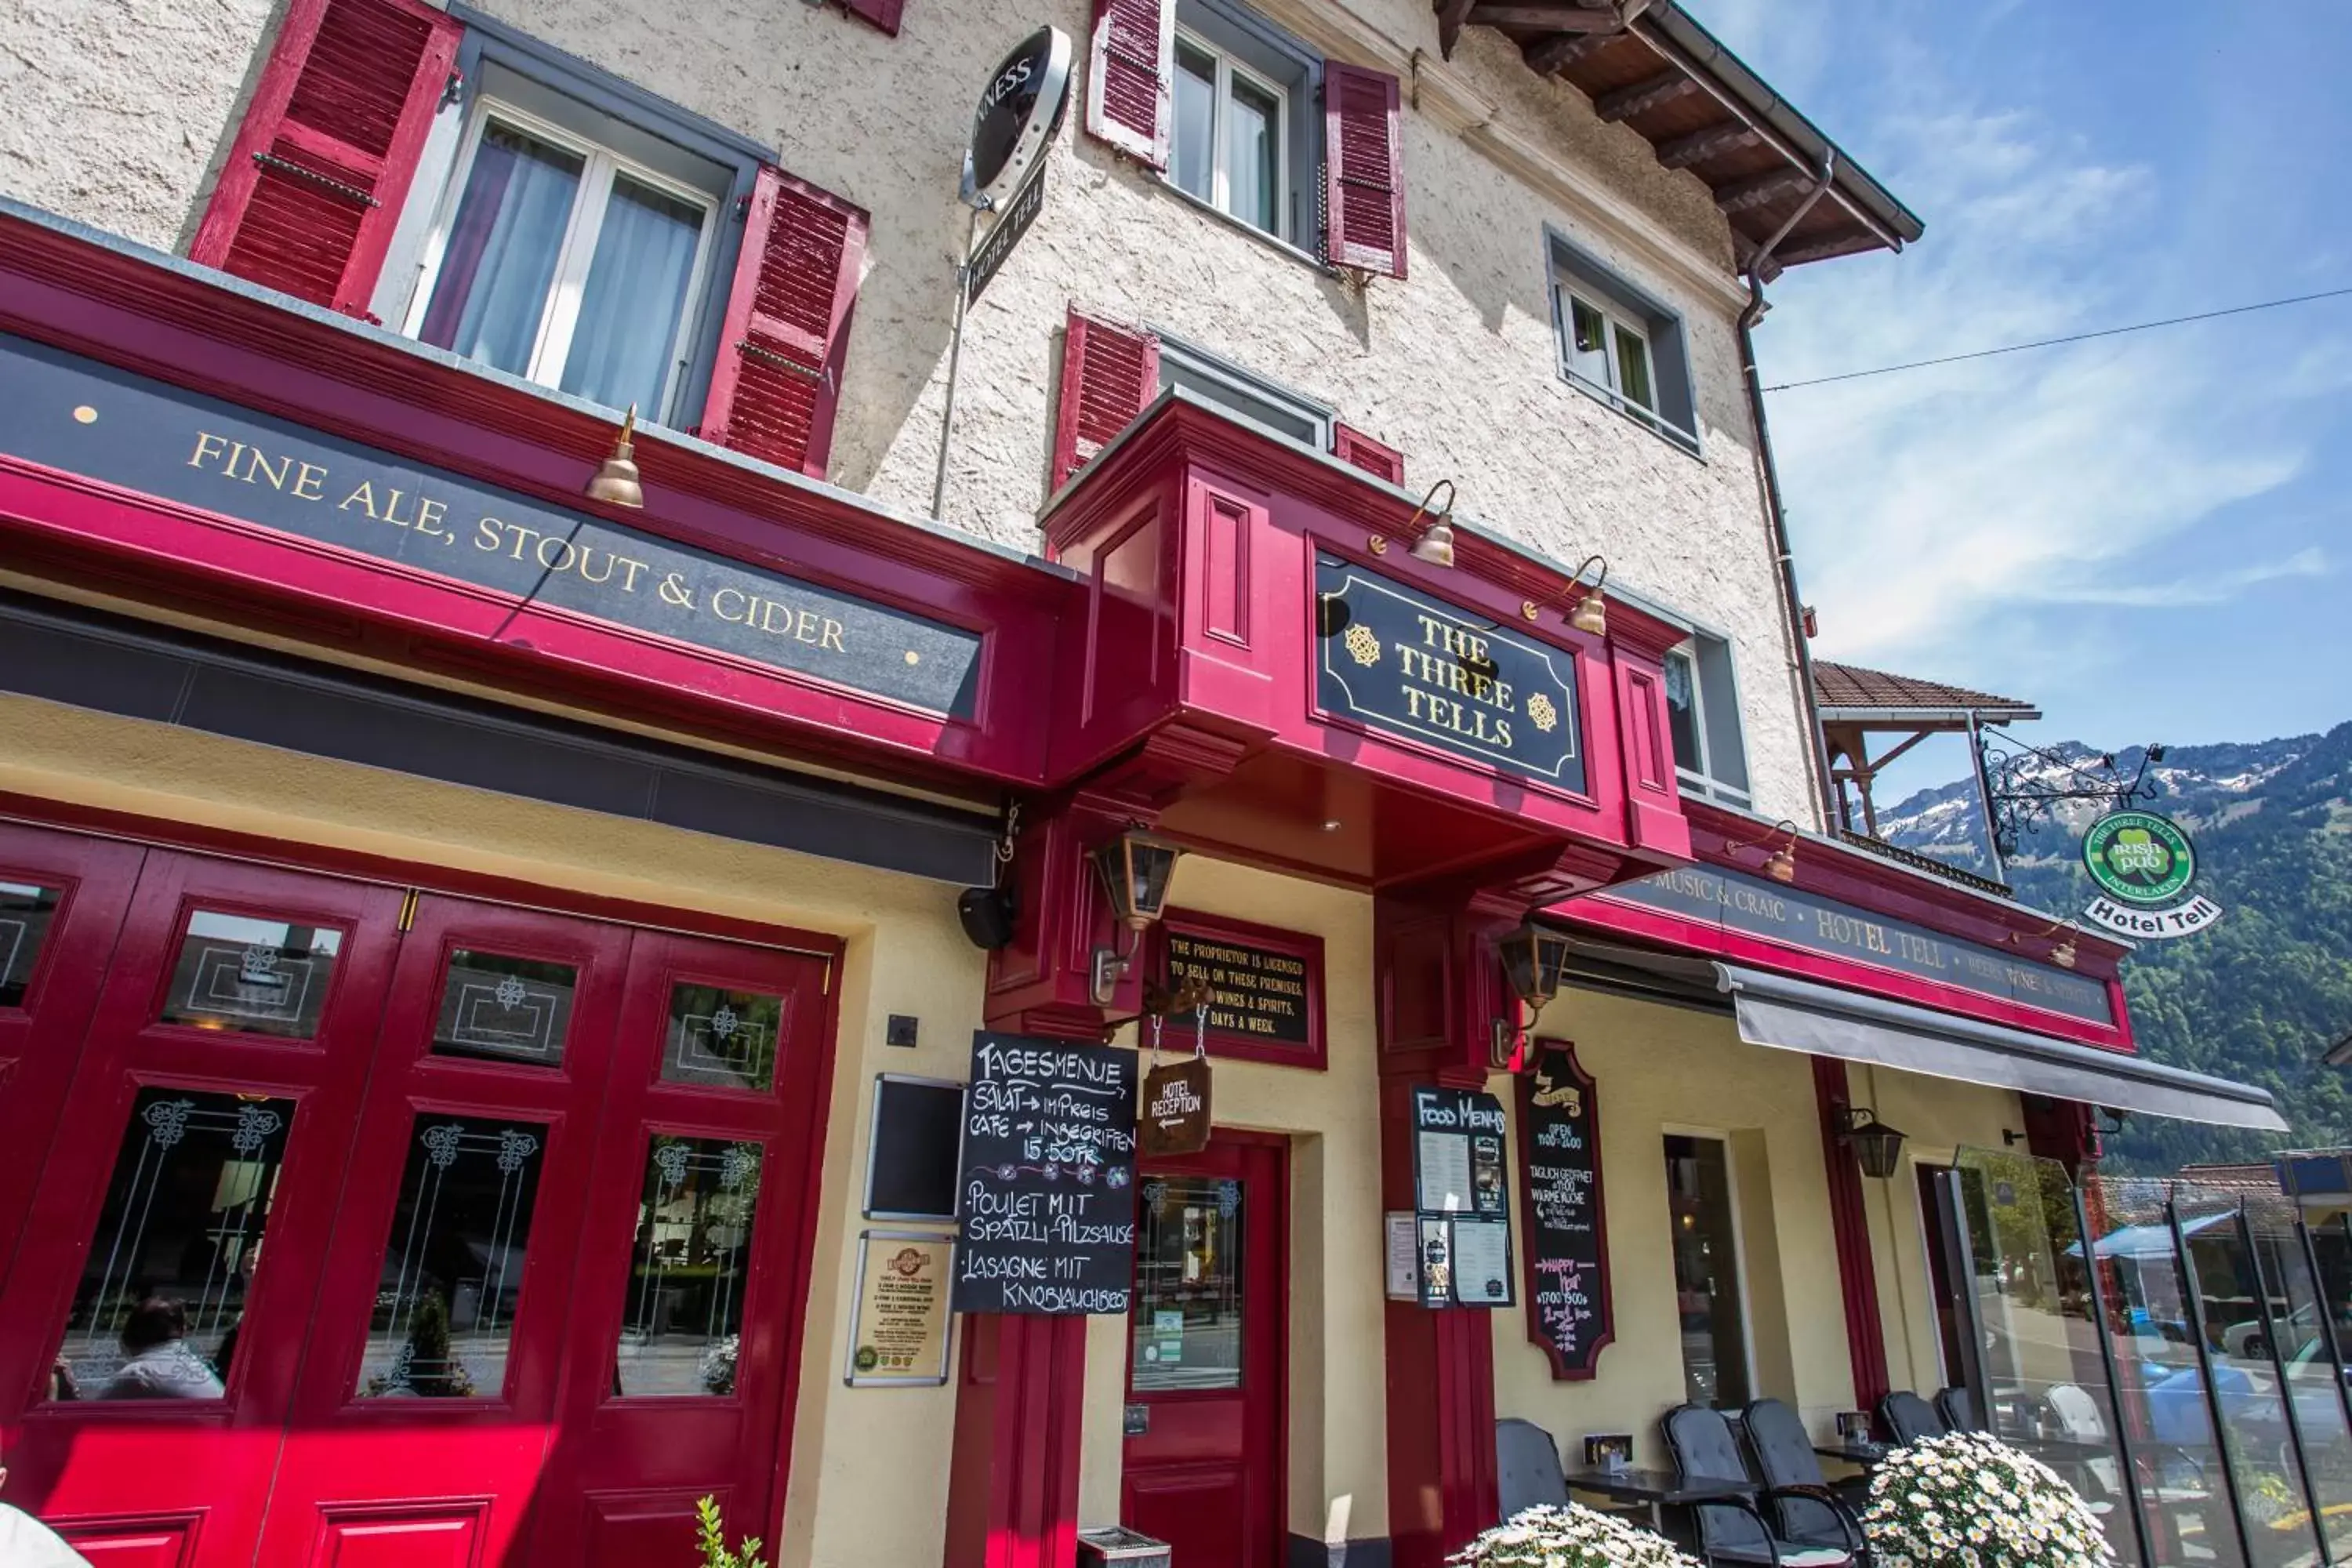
{"type": "Point", "coordinates": [486, 532]}
{"type": "Point", "coordinates": [429, 514]}
{"type": "Point", "coordinates": [256, 464]}
{"type": "Point", "coordinates": [633, 566]}
{"type": "Point", "coordinates": [207, 445]}
{"type": "Point", "coordinates": [308, 479]}
{"type": "Point", "coordinates": [719, 609]}
{"type": "Point", "coordinates": [522, 536]}
{"type": "Point", "coordinates": [767, 608]}
{"type": "Point", "coordinates": [832, 637]}
{"type": "Point", "coordinates": [587, 552]}
{"type": "Point", "coordinates": [364, 495]}
{"type": "Point", "coordinates": [392, 508]}
{"type": "Point", "coordinates": [561, 563]}
{"type": "Point", "coordinates": [1503, 732]}
{"type": "Point", "coordinates": [804, 624]}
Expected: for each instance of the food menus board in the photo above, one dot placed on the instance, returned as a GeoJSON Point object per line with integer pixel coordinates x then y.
{"type": "Point", "coordinates": [1045, 1199]}
{"type": "Point", "coordinates": [1561, 1221]}
{"type": "Point", "coordinates": [1461, 1197]}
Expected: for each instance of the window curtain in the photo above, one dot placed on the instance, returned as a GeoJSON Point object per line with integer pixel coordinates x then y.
{"type": "Point", "coordinates": [502, 250]}
{"type": "Point", "coordinates": [637, 290]}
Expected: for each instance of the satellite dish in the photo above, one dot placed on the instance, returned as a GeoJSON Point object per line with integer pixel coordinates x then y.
{"type": "Point", "coordinates": [1022, 108]}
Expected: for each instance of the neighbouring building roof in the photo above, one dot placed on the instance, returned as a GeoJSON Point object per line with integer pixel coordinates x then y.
{"type": "Point", "coordinates": [1849, 690]}
{"type": "Point", "coordinates": [2340, 1053]}
{"type": "Point", "coordinates": [1649, 65]}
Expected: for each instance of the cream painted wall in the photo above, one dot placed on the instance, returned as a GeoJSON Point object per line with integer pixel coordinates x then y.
{"type": "Point", "coordinates": [134, 103]}
{"type": "Point", "coordinates": [1940, 1116]}
{"type": "Point", "coordinates": [1666, 1069]}
{"type": "Point", "coordinates": [869, 1466]}
{"type": "Point", "coordinates": [1337, 1475]}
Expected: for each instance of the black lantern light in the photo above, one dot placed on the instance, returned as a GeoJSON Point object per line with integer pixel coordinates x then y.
{"type": "Point", "coordinates": [1136, 869]}
{"type": "Point", "coordinates": [1533, 961]}
{"type": "Point", "coordinates": [1878, 1146]}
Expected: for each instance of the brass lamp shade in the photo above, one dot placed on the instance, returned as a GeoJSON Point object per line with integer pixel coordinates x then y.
{"type": "Point", "coordinates": [1533, 961]}
{"type": "Point", "coordinates": [1590, 615]}
{"type": "Point", "coordinates": [1136, 869]}
{"type": "Point", "coordinates": [1877, 1147]}
{"type": "Point", "coordinates": [615, 482]}
{"type": "Point", "coordinates": [1782, 865]}
{"type": "Point", "coordinates": [1435, 547]}
{"type": "Point", "coordinates": [2063, 955]}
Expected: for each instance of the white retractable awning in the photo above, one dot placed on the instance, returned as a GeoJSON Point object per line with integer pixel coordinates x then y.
{"type": "Point", "coordinates": [1823, 1021]}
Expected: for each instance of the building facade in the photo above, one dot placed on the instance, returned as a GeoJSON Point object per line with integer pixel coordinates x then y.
{"type": "Point", "coordinates": [467, 884]}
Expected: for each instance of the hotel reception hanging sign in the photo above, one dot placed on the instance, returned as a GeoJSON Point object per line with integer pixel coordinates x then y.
{"type": "Point", "coordinates": [75, 414]}
{"type": "Point", "coordinates": [1403, 663]}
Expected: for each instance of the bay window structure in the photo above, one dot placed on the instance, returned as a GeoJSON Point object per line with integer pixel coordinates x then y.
{"type": "Point", "coordinates": [1619, 345]}
{"type": "Point", "coordinates": [1703, 716]}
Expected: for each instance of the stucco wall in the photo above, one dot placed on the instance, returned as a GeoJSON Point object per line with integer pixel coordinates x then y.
{"type": "Point", "coordinates": [118, 112]}
{"type": "Point", "coordinates": [1658, 1070]}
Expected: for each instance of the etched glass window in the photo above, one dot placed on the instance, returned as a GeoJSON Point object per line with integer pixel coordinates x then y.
{"type": "Point", "coordinates": [444, 1304]}
{"type": "Point", "coordinates": [725, 1038]}
{"type": "Point", "coordinates": [504, 1009]}
{"type": "Point", "coordinates": [26, 912]}
{"type": "Point", "coordinates": [688, 1267]}
{"type": "Point", "coordinates": [164, 1284]}
{"type": "Point", "coordinates": [1186, 1323]}
{"type": "Point", "coordinates": [255, 976]}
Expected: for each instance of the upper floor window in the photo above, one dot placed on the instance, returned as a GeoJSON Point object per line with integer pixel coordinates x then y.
{"type": "Point", "coordinates": [1703, 713]}
{"type": "Point", "coordinates": [1232, 135]}
{"type": "Point", "coordinates": [1245, 393]}
{"type": "Point", "coordinates": [1622, 346]}
{"type": "Point", "coordinates": [431, 169]}
{"type": "Point", "coordinates": [559, 258]}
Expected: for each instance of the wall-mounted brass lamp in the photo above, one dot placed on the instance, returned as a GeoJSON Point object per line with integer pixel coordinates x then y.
{"type": "Point", "coordinates": [1136, 869]}
{"type": "Point", "coordinates": [1590, 612]}
{"type": "Point", "coordinates": [1781, 864]}
{"type": "Point", "coordinates": [1434, 544]}
{"type": "Point", "coordinates": [615, 480]}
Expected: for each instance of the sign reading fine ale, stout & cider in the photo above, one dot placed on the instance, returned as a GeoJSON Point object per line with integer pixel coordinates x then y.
{"type": "Point", "coordinates": [1402, 662]}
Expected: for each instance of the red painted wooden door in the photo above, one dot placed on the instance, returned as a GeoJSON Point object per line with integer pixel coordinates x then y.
{"type": "Point", "coordinates": [682, 1363]}
{"type": "Point", "coordinates": [1207, 1401]}
{"type": "Point", "coordinates": [62, 901]}
{"type": "Point", "coordinates": [426, 1404]}
{"type": "Point", "coordinates": [156, 1311]}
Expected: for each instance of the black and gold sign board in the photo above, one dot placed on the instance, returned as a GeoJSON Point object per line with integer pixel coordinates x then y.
{"type": "Point", "coordinates": [1255, 992]}
{"type": "Point", "coordinates": [73, 414]}
{"type": "Point", "coordinates": [1399, 661]}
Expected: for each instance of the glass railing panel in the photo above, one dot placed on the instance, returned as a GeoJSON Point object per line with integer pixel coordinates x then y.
{"type": "Point", "coordinates": [2232, 1307]}
{"type": "Point", "coordinates": [2301, 1337]}
{"type": "Point", "coordinates": [2047, 1390]}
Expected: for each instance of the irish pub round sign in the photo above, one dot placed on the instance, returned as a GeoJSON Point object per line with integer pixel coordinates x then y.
{"type": "Point", "coordinates": [1403, 663]}
{"type": "Point", "coordinates": [2143, 864]}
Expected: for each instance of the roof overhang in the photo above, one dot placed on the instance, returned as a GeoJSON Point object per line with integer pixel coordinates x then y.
{"type": "Point", "coordinates": [1649, 66]}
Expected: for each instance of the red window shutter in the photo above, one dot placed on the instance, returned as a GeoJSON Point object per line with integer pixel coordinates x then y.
{"type": "Point", "coordinates": [315, 180]}
{"type": "Point", "coordinates": [1352, 446]}
{"type": "Point", "coordinates": [1108, 374]}
{"type": "Point", "coordinates": [883, 14]}
{"type": "Point", "coordinates": [1128, 77]}
{"type": "Point", "coordinates": [778, 377]}
{"type": "Point", "coordinates": [1363, 171]}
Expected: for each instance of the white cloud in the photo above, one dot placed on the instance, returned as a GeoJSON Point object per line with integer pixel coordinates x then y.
{"type": "Point", "coordinates": [1928, 505]}
{"type": "Point", "coordinates": [2210, 588]}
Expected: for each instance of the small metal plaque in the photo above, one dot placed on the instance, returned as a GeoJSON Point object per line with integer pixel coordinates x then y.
{"type": "Point", "coordinates": [1139, 1420]}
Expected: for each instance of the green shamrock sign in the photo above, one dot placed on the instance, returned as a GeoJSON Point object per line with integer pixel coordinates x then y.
{"type": "Point", "coordinates": [2139, 856]}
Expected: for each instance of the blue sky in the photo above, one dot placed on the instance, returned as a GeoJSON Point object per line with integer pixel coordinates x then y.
{"type": "Point", "coordinates": [2150, 536]}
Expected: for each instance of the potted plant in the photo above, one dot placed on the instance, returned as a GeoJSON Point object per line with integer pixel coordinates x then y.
{"type": "Point", "coordinates": [1970, 1497]}
{"type": "Point", "coordinates": [712, 1537]}
{"type": "Point", "coordinates": [1571, 1537]}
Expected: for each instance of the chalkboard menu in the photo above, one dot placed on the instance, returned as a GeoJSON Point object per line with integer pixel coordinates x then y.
{"type": "Point", "coordinates": [1461, 1197]}
{"type": "Point", "coordinates": [1264, 985]}
{"type": "Point", "coordinates": [1561, 1229]}
{"type": "Point", "coordinates": [1047, 1198]}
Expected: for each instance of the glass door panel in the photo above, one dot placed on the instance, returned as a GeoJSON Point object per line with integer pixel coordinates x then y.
{"type": "Point", "coordinates": [1186, 1321]}
{"type": "Point", "coordinates": [2301, 1339]}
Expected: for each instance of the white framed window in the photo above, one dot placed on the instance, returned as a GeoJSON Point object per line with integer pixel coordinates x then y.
{"type": "Point", "coordinates": [1610, 355]}
{"type": "Point", "coordinates": [1231, 145]}
{"type": "Point", "coordinates": [557, 258]}
{"type": "Point", "coordinates": [1251, 396]}
{"type": "Point", "coordinates": [1703, 718]}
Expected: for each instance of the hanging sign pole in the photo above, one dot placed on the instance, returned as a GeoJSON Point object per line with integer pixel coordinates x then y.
{"type": "Point", "coordinates": [1019, 113]}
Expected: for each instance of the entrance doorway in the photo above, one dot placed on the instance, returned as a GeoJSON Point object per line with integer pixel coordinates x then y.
{"type": "Point", "coordinates": [1206, 1334]}
{"type": "Point", "coordinates": [372, 1226]}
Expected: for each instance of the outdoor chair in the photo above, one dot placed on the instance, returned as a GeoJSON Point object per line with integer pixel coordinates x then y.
{"type": "Point", "coordinates": [1805, 1509]}
{"type": "Point", "coordinates": [1910, 1419]}
{"type": "Point", "coordinates": [1958, 1406]}
{"type": "Point", "coordinates": [1526, 1468]}
{"type": "Point", "coordinates": [1736, 1532]}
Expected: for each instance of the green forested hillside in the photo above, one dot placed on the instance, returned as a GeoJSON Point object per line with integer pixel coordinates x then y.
{"type": "Point", "coordinates": [2263, 994]}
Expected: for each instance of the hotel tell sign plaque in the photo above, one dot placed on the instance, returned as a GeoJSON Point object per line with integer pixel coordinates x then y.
{"type": "Point", "coordinates": [1405, 664]}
